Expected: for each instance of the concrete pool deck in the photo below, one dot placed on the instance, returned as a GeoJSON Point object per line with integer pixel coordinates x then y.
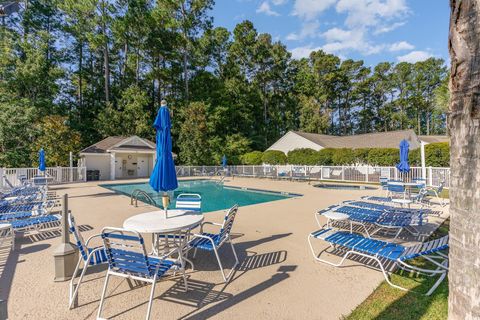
{"type": "Point", "coordinates": [276, 279]}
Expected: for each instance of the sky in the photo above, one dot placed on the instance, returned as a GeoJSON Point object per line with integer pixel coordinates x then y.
{"type": "Point", "coordinates": [370, 30]}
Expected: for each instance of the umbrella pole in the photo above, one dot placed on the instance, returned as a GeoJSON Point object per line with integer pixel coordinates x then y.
{"type": "Point", "coordinates": [165, 202]}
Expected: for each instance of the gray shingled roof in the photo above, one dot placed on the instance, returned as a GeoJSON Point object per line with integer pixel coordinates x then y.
{"type": "Point", "coordinates": [434, 139]}
{"type": "Point", "coordinates": [107, 143]}
{"type": "Point", "coordinates": [389, 139]}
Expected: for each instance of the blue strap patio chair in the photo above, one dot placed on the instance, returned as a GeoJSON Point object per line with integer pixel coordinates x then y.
{"type": "Point", "coordinates": [395, 189]}
{"type": "Point", "coordinates": [213, 241]}
{"type": "Point", "coordinates": [386, 255]}
{"type": "Point", "coordinates": [437, 191]}
{"type": "Point", "coordinates": [127, 258]}
{"type": "Point", "coordinates": [189, 201]}
{"type": "Point", "coordinates": [89, 256]}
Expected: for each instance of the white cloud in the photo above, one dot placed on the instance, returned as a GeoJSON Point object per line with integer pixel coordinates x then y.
{"type": "Point", "coordinates": [414, 56]}
{"type": "Point", "coordinates": [310, 9]}
{"type": "Point", "coordinates": [340, 40]}
{"type": "Point", "coordinates": [400, 46]}
{"type": "Point", "coordinates": [361, 13]}
{"type": "Point", "coordinates": [388, 28]}
{"type": "Point", "coordinates": [303, 52]}
{"type": "Point", "coordinates": [279, 2]}
{"type": "Point", "coordinates": [309, 30]}
{"type": "Point", "coordinates": [265, 8]}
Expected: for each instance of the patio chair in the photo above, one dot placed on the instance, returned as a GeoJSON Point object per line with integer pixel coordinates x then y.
{"type": "Point", "coordinates": [213, 242]}
{"type": "Point", "coordinates": [384, 253]}
{"type": "Point", "coordinates": [127, 258]}
{"type": "Point", "coordinates": [189, 201]}
{"type": "Point", "coordinates": [89, 256]}
{"type": "Point", "coordinates": [437, 191]}
{"type": "Point", "coordinates": [395, 189]}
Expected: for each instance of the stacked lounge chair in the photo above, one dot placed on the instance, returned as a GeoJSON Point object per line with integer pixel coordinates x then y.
{"type": "Point", "coordinates": [385, 254]}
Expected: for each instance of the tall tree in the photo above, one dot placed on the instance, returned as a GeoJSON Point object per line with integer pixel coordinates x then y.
{"type": "Point", "coordinates": [464, 47]}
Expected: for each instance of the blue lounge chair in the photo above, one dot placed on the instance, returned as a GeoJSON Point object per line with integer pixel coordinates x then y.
{"type": "Point", "coordinates": [89, 256]}
{"type": "Point", "coordinates": [385, 253]}
{"type": "Point", "coordinates": [189, 201]}
{"type": "Point", "coordinates": [383, 207]}
{"type": "Point", "coordinates": [213, 242]}
{"type": "Point", "coordinates": [127, 258]}
{"type": "Point", "coordinates": [34, 223]}
{"type": "Point", "coordinates": [380, 220]}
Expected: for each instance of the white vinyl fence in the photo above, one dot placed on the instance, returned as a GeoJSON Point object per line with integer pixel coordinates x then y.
{"type": "Point", "coordinates": [58, 175]}
{"type": "Point", "coordinates": [368, 174]}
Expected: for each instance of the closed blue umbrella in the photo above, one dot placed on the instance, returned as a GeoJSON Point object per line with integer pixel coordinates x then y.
{"type": "Point", "coordinates": [403, 165]}
{"type": "Point", "coordinates": [164, 177]}
{"type": "Point", "coordinates": [224, 161]}
{"type": "Point", "coordinates": [41, 160]}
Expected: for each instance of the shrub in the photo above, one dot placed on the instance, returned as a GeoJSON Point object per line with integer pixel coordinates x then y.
{"type": "Point", "coordinates": [325, 156]}
{"type": "Point", "coordinates": [274, 157]}
{"type": "Point", "coordinates": [361, 155]}
{"type": "Point", "coordinates": [252, 158]}
{"type": "Point", "coordinates": [383, 157]}
{"type": "Point", "coordinates": [437, 154]}
{"type": "Point", "coordinates": [343, 156]}
{"type": "Point", "coordinates": [306, 156]}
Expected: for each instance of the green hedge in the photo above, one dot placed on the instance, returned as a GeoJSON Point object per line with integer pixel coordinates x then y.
{"type": "Point", "coordinates": [252, 158]}
{"type": "Point", "coordinates": [308, 157]}
{"type": "Point", "coordinates": [436, 155]}
{"type": "Point", "coordinates": [274, 157]}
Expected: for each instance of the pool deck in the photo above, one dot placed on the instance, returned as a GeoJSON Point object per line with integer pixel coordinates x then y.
{"type": "Point", "coordinates": [277, 277]}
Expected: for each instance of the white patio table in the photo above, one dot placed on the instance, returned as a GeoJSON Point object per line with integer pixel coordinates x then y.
{"type": "Point", "coordinates": [178, 223]}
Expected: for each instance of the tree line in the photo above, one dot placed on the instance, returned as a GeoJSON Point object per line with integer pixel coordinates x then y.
{"type": "Point", "coordinates": [75, 71]}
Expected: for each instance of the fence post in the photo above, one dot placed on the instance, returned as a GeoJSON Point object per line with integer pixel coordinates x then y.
{"type": "Point", "coordinates": [366, 175]}
{"type": "Point", "coordinates": [396, 174]}
{"type": "Point", "coordinates": [430, 177]}
{"type": "Point", "coordinates": [343, 173]}
{"type": "Point", "coordinates": [305, 171]}
{"type": "Point", "coordinates": [1, 178]}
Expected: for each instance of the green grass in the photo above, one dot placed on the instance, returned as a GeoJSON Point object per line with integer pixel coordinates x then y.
{"type": "Point", "coordinates": [387, 302]}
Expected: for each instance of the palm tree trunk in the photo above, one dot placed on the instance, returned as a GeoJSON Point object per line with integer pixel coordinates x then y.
{"type": "Point", "coordinates": [464, 122]}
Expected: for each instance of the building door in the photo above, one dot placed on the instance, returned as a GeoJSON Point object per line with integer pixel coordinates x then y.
{"type": "Point", "coordinates": [142, 166]}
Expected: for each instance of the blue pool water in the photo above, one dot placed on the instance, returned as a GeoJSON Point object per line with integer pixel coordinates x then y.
{"type": "Point", "coordinates": [214, 196]}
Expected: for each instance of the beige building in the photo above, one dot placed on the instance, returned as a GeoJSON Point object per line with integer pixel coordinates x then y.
{"type": "Point", "coordinates": [296, 140]}
{"type": "Point", "coordinates": [118, 158]}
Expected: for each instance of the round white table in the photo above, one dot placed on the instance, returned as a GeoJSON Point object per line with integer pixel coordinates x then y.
{"type": "Point", "coordinates": [178, 222]}
{"type": "Point", "coordinates": [155, 221]}
{"type": "Point", "coordinates": [337, 216]}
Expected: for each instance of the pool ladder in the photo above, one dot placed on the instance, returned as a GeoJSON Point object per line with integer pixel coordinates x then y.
{"type": "Point", "coordinates": [137, 193]}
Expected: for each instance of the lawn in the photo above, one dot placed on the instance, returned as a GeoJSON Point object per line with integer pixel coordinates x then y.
{"type": "Point", "coordinates": [387, 302]}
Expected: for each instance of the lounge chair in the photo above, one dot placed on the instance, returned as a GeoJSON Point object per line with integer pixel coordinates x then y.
{"type": "Point", "coordinates": [384, 253]}
{"type": "Point", "coordinates": [384, 207]}
{"type": "Point", "coordinates": [213, 242]}
{"type": "Point", "coordinates": [89, 256]}
{"type": "Point", "coordinates": [127, 258]}
{"type": "Point", "coordinates": [189, 201]}
{"type": "Point", "coordinates": [34, 223]}
{"type": "Point", "coordinates": [380, 220]}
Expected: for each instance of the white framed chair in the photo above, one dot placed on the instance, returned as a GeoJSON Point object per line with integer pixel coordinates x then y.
{"type": "Point", "coordinates": [88, 257]}
{"type": "Point", "coordinates": [213, 241]}
{"type": "Point", "coordinates": [127, 258]}
{"type": "Point", "coordinates": [189, 201]}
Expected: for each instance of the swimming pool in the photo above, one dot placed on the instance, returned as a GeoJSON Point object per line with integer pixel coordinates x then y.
{"type": "Point", "coordinates": [214, 196]}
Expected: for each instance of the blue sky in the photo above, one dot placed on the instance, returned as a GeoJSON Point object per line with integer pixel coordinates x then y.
{"type": "Point", "coordinates": [371, 30]}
